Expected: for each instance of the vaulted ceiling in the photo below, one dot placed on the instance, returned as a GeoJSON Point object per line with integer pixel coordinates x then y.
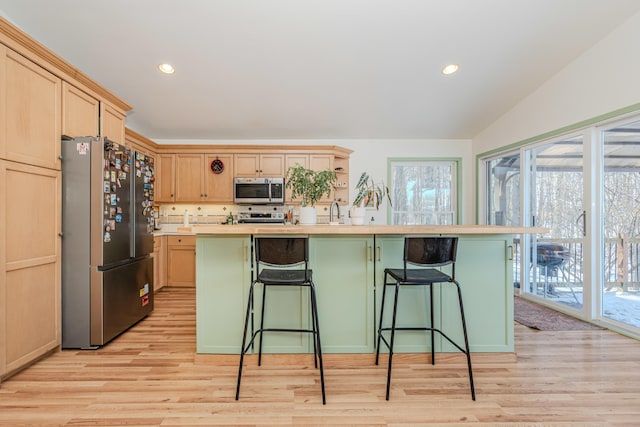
{"type": "Point", "coordinates": [318, 69]}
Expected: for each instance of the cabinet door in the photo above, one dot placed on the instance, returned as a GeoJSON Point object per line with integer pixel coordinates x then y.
{"type": "Point", "coordinates": [290, 161]}
{"type": "Point", "coordinates": [218, 187]}
{"type": "Point", "coordinates": [223, 279]}
{"type": "Point", "coordinates": [162, 262]}
{"type": "Point", "coordinates": [165, 178]}
{"type": "Point", "coordinates": [252, 165]}
{"type": "Point", "coordinates": [80, 112]}
{"type": "Point", "coordinates": [181, 261]}
{"type": "Point", "coordinates": [412, 301]}
{"type": "Point", "coordinates": [30, 112]}
{"type": "Point", "coordinates": [272, 165]}
{"type": "Point", "coordinates": [321, 162]}
{"type": "Point", "coordinates": [159, 273]}
{"type": "Point", "coordinates": [189, 177]}
{"type": "Point", "coordinates": [488, 330]}
{"type": "Point", "coordinates": [246, 165]}
{"type": "Point", "coordinates": [343, 272]}
{"type": "Point", "coordinates": [30, 268]}
{"type": "Point", "coordinates": [112, 123]}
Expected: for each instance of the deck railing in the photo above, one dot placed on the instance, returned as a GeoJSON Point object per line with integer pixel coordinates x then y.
{"type": "Point", "coordinates": [621, 264]}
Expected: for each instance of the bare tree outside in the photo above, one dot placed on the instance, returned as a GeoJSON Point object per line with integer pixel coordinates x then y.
{"type": "Point", "coordinates": [423, 192]}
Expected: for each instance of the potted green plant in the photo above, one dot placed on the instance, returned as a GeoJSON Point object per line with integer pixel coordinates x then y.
{"type": "Point", "coordinates": [368, 193]}
{"type": "Point", "coordinates": [310, 186]}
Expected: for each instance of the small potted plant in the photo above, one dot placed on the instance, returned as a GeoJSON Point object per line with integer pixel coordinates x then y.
{"type": "Point", "coordinates": [368, 193]}
{"type": "Point", "coordinates": [310, 186]}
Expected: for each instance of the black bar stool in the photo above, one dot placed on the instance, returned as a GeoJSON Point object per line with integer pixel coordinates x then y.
{"type": "Point", "coordinates": [427, 253]}
{"type": "Point", "coordinates": [279, 253]}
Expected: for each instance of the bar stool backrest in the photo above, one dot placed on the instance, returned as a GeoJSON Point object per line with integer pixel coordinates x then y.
{"type": "Point", "coordinates": [430, 251]}
{"type": "Point", "coordinates": [282, 251]}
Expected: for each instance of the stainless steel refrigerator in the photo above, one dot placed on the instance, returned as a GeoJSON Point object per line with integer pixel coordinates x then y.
{"type": "Point", "coordinates": [107, 240]}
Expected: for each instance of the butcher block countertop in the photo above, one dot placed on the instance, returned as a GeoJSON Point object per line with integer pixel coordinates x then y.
{"type": "Point", "coordinates": [257, 229]}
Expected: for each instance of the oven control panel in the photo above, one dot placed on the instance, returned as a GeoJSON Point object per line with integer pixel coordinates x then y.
{"type": "Point", "coordinates": [261, 217]}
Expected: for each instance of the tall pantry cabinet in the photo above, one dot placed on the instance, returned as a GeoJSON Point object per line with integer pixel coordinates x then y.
{"type": "Point", "coordinates": [30, 208]}
{"type": "Point", "coordinates": [41, 98]}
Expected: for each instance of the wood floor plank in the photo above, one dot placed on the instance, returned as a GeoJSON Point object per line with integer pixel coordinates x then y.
{"type": "Point", "coordinates": [151, 376]}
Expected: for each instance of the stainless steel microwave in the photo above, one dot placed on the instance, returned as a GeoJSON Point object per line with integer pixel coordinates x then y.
{"type": "Point", "coordinates": [258, 191]}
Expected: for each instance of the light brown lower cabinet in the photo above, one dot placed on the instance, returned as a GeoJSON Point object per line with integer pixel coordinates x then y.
{"type": "Point", "coordinates": [30, 264]}
{"type": "Point", "coordinates": [159, 262]}
{"type": "Point", "coordinates": [181, 261]}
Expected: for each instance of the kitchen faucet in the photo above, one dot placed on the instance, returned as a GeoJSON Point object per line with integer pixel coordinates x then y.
{"type": "Point", "coordinates": [337, 205]}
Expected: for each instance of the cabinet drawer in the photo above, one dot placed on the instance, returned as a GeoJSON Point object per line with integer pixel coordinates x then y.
{"type": "Point", "coordinates": [181, 241]}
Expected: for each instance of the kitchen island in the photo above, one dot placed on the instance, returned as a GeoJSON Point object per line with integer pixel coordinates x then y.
{"type": "Point", "coordinates": [348, 264]}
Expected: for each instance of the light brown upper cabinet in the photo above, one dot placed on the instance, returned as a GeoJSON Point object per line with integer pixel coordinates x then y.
{"type": "Point", "coordinates": [256, 165]}
{"type": "Point", "coordinates": [218, 185]}
{"type": "Point", "coordinates": [188, 177]}
{"type": "Point", "coordinates": [112, 123]}
{"type": "Point", "coordinates": [189, 170]}
{"type": "Point", "coordinates": [320, 162]}
{"type": "Point", "coordinates": [292, 160]}
{"type": "Point", "coordinates": [316, 162]}
{"type": "Point", "coordinates": [80, 112]}
{"type": "Point", "coordinates": [29, 135]}
{"type": "Point", "coordinates": [197, 182]}
{"type": "Point", "coordinates": [165, 184]}
{"type": "Point", "coordinates": [139, 143]}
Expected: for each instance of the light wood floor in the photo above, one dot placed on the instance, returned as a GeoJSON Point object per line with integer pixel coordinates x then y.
{"type": "Point", "coordinates": [150, 376]}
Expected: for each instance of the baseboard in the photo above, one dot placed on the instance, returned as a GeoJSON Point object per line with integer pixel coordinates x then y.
{"type": "Point", "coordinates": [354, 360]}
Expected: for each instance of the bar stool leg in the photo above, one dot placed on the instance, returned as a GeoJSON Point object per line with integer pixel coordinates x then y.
{"type": "Point", "coordinates": [264, 304]}
{"type": "Point", "coordinates": [393, 333]}
{"type": "Point", "coordinates": [466, 341]}
{"type": "Point", "coordinates": [244, 338]}
{"type": "Point", "coordinates": [313, 326]}
{"type": "Point", "coordinates": [384, 292]}
{"type": "Point", "coordinates": [316, 333]}
{"type": "Point", "coordinates": [433, 338]}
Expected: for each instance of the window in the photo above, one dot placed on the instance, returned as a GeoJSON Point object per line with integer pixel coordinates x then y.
{"type": "Point", "coordinates": [424, 191]}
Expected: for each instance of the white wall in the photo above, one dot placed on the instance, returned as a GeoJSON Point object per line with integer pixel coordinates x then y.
{"type": "Point", "coordinates": [604, 79]}
{"type": "Point", "coordinates": [372, 156]}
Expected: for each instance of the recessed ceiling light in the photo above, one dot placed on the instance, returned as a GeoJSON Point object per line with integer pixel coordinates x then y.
{"type": "Point", "coordinates": [166, 68]}
{"type": "Point", "coordinates": [450, 69]}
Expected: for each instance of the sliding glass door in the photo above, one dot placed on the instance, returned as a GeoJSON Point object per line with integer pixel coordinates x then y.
{"type": "Point", "coordinates": [620, 288]}
{"type": "Point", "coordinates": [554, 266]}
{"type": "Point", "coordinates": [585, 189]}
